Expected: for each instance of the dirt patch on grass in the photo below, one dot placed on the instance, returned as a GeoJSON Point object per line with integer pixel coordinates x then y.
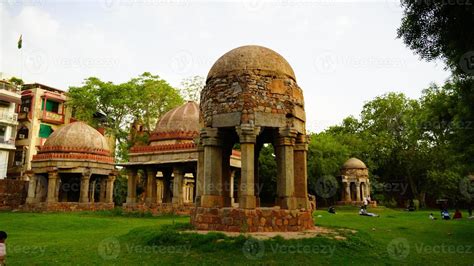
{"type": "Point", "coordinates": [337, 234]}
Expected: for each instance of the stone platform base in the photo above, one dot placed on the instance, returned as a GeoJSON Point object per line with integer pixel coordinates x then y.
{"type": "Point", "coordinates": [356, 203]}
{"type": "Point", "coordinates": [66, 206]}
{"type": "Point", "coordinates": [257, 220]}
{"type": "Point", "coordinates": [160, 208]}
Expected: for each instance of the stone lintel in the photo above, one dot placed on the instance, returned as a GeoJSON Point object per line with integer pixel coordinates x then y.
{"type": "Point", "coordinates": [270, 119]}
{"type": "Point", "coordinates": [226, 120]}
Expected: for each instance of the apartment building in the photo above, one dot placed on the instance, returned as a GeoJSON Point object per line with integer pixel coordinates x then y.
{"type": "Point", "coordinates": [10, 98]}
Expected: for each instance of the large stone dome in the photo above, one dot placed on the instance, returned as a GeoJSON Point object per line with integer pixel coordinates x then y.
{"type": "Point", "coordinates": [251, 57]}
{"type": "Point", "coordinates": [354, 163]}
{"type": "Point", "coordinates": [181, 122]}
{"type": "Point", "coordinates": [76, 137]}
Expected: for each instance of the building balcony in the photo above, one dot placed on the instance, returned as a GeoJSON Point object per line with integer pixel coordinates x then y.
{"type": "Point", "coordinates": [7, 144]}
{"type": "Point", "coordinates": [9, 87]}
{"type": "Point", "coordinates": [53, 118]}
{"type": "Point", "coordinates": [9, 118]}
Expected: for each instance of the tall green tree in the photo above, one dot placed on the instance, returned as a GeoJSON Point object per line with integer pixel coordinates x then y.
{"type": "Point", "coordinates": [117, 106]}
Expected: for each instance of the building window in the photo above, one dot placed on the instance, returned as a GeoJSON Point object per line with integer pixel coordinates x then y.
{"type": "Point", "coordinates": [51, 106]}
{"type": "Point", "coordinates": [25, 105]}
{"type": "Point", "coordinates": [45, 131]}
{"type": "Point", "coordinates": [3, 132]}
{"type": "Point", "coordinates": [22, 133]}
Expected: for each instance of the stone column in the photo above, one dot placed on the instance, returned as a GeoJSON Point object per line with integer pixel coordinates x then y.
{"type": "Point", "coordinates": [285, 168]}
{"type": "Point", "coordinates": [132, 186]}
{"type": "Point", "coordinates": [347, 188]}
{"type": "Point", "coordinates": [109, 197]}
{"type": "Point", "coordinates": [92, 189]}
{"type": "Point", "coordinates": [84, 193]}
{"type": "Point", "coordinates": [103, 190]}
{"type": "Point", "coordinates": [32, 190]}
{"type": "Point", "coordinates": [159, 191]}
{"type": "Point", "coordinates": [178, 186]}
{"type": "Point", "coordinates": [358, 191]}
{"type": "Point", "coordinates": [199, 177]}
{"type": "Point", "coordinates": [52, 184]}
{"type": "Point", "coordinates": [231, 187]}
{"type": "Point", "coordinates": [226, 172]}
{"type": "Point", "coordinates": [212, 192]}
{"type": "Point", "coordinates": [300, 172]}
{"type": "Point", "coordinates": [150, 186]}
{"type": "Point", "coordinates": [191, 193]}
{"type": "Point", "coordinates": [248, 137]}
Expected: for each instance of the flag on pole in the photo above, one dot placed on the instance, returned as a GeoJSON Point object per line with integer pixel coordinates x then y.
{"type": "Point", "coordinates": [20, 41]}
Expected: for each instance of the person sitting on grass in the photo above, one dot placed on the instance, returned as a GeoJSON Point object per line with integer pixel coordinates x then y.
{"type": "Point", "coordinates": [364, 212]}
{"type": "Point", "coordinates": [3, 251]}
{"type": "Point", "coordinates": [445, 214]}
{"type": "Point", "coordinates": [332, 210]}
{"type": "Point", "coordinates": [457, 214]}
{"type": "Point", "coordinates": [432, 217]}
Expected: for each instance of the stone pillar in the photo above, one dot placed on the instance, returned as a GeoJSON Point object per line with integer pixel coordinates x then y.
{"type": "Point", "coordinates": [226, 172]}
{"type": "Point", "coordinates": [191, 193]}
{"type": "Point", "coordinates": [358, 191]}
{"type": "Point", "coordinates": [248, 138]}
{"type": "Point", "coordinates": [285, 168]}
{"type": "Point", "coordinates": [300, 172]}
{"type": "Point", "coordinates": [199, 177]}
{"type": "Point", "coordinates": [159, 191]}
{"type": "Point", "coordinates": [92, 189]}
{"type": "Point", "coordinates": [32, 189]}
{"type": "Point", "coordinates": [347, 188]}
{"type": "Point", "coordinates": [178, 186]}
{"type": "Point", "coordinates": [109, 197]}
{"type": "Point", "coordinates": [103, 190]}
{"type": "Point", "coordinates": [231, 187]}
{"type": "Point", "coordinates": [132, 186]}
{"type": "Point", "coordinates": [84, 193]}
{"type": "Point", "coordinates": [150, 186]}
{"type": "Point", "coordinates": [52, 185]}
{"type": "Point", "coordinates": [212, 192]}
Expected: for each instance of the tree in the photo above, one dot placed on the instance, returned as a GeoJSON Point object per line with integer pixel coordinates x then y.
{"type": "Point", "coordinates": [16, 81]}
{"type": "Point", "coordinates": [440, 29]}
{"type": "Point", "coordinates": [141, 99]}
{"type": "Point", "coordinates": [191, 88]}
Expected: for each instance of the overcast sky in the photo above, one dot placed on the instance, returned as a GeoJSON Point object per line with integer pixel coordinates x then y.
{"type": "Point", "coordinates": [344, 53]}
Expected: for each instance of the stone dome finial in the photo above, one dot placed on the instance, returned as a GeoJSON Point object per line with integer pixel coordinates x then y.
{"type": "Point", "coordinates": [181, 122]}
{"type": "Point", "coordinates": [354, 163]}
{"type": "Point", "coordinates": [76, 137]}
{"type": "Point", "coordinates": [251, 57]}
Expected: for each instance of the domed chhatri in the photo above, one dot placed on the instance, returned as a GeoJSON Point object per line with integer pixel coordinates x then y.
{"type": "Point", "coordinates": [251, 98]}
{"type": "Point", "coordinates": [355, 182]}
{"type": "Point", "coordinates": [75, 155]}
{"type": "Point", "coordinates": [354, 163]}
{"type": "Point", "coordinates": [76, 137]}
{"type": "Point", "coordinates": [251, 58]}
{"type": "Point", "coordinates": [180, 123]}
{"type": "Point", "coordinates": [170, 157]}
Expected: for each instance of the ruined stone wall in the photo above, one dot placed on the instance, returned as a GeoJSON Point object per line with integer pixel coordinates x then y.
{"type": "Point", "coordinates": [67, 206]}
{"type": "Point", "coordinates": [13, 193]}
{"type": "Point", "coordinates": [249, 93]}
{"type": "Point", "coordinates": [257, 220]}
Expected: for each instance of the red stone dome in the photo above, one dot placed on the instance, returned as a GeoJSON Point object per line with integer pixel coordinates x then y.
{"type": "Point", "coordinates": [179, 123]}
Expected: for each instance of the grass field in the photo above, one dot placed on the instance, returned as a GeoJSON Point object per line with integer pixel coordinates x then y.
{"type": "Point", "coordinates": [396, 237]}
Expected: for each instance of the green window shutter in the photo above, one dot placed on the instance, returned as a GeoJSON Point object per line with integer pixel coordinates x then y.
{"type": "Point", "coordinates": [45, 131]}
{"type": "Point", "coordinates": [51, 106]}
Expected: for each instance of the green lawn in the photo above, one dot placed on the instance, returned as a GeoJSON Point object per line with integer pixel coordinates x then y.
{"type": "Point", "coordinates": [397, 237]}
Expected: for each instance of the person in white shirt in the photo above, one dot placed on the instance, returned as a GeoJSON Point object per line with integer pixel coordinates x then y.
{"type": "Point", "coordinates": [3, 251]}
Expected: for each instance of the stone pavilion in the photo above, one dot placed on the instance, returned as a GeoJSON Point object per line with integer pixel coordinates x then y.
{"type": "Point", "coordinates": [251, 98]}
{"type": "Point", "coordinates": [73, 170]}
{"type": "Point", "coordinates": [355, 182]}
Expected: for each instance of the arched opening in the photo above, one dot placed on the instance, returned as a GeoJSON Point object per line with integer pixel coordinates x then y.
{"type": "Point", "coordinates": [69, 187]}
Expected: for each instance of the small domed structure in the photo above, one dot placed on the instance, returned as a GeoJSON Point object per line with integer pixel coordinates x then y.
{"type": "Point", "coordinates": [355, 182]}
{"type": "Point", "coordinates": [354, 163]}
{"type": "Point", "coordinates": [251, 98]}
{"type": "Point", "coordinates": [170, 157]}
{"type": "Point", "coordinates": [178, 124]}
{"type": "Point", "coordinates": [75, 155]}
